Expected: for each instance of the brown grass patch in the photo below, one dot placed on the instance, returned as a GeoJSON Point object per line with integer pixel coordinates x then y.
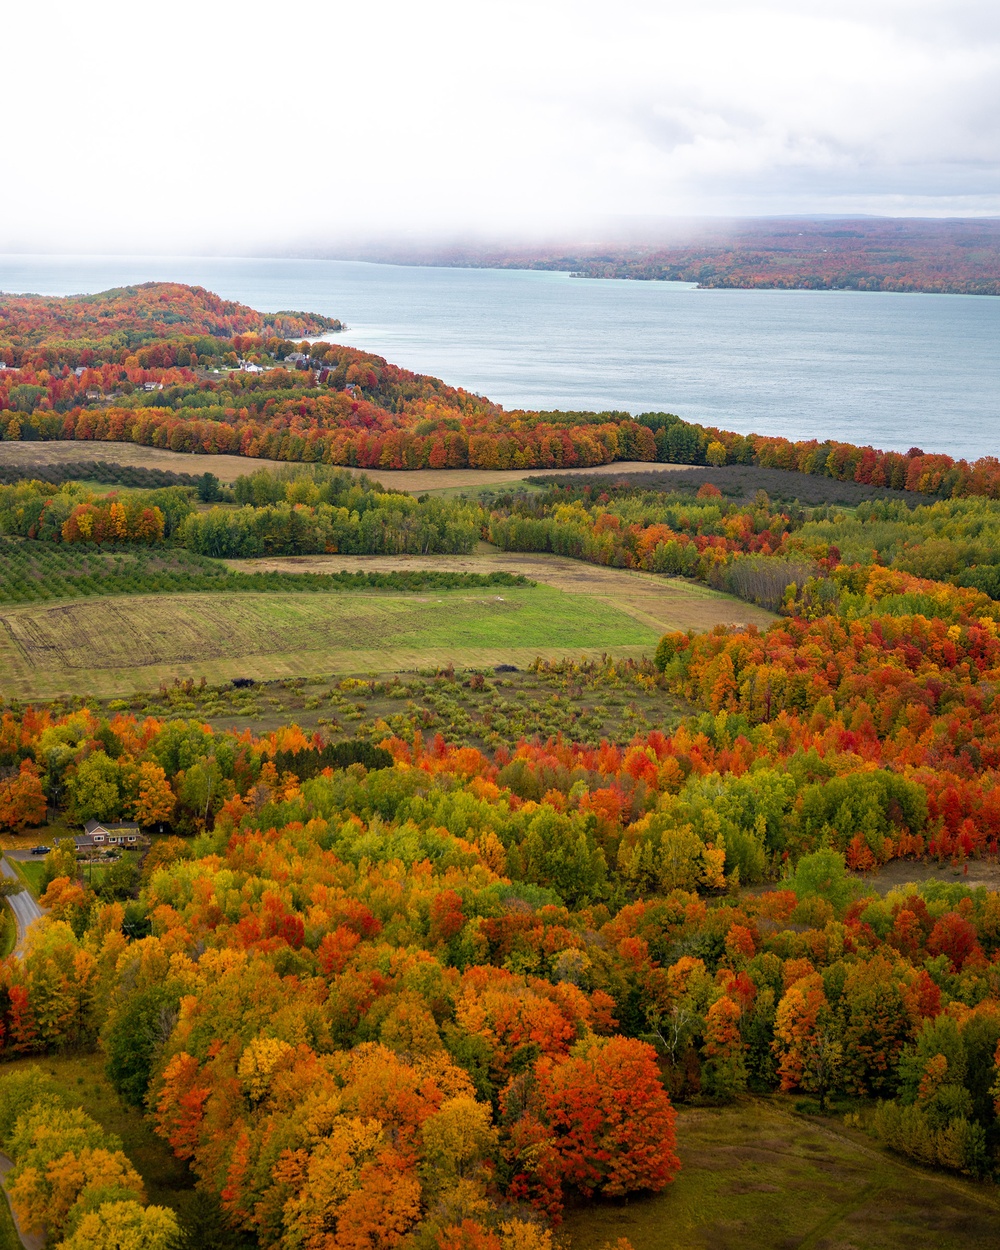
{"type": "Point", "coordinates": [228, 468]}
{"type": "Point", "coordinates": [901, 872]}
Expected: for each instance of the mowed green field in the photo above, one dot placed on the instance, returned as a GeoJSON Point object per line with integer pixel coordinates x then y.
{"type": "Point", "coordinates": [756, 1176]}
{"type": "Point", "coordinates": [113, 645]}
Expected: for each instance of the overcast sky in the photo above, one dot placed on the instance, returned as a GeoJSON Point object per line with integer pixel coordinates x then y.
{"type": "Point", "coordinates": [248, 127]}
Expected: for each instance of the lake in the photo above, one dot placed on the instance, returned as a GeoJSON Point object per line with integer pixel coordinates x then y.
{"type": "Point", "coordinates": [891, 370]}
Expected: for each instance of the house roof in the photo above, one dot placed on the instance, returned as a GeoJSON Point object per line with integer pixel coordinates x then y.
{"type": "Point", "coordinates": [110, 826]}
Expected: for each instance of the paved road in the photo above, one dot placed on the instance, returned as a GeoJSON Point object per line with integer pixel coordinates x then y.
{"type": "Point", "coordinates": [26, 910]}
{"type": "Point", "coordinates": [30, 1241]}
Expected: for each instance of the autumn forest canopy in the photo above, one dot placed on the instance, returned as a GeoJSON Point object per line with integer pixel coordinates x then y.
{"type": "Point", "coordinates": [174, 367]}
{"type": "Point", "coordinates": [134, 315]}
{"type": "Point", "coordinates": [434, 959]}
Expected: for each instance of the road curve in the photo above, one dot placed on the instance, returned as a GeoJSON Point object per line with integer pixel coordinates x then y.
{"type": "Point", "coordinates": [26, 910]}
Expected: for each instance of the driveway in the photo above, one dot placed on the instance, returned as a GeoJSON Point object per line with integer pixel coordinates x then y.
{"type": "Point", "coordinates": [30, 1241]}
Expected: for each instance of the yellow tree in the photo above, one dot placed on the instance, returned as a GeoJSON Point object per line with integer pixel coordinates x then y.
{"type": "Point", "coordinates": [258, 1063]}
{"type": "Point", "coordinates": [66, 899]}
{"type": "Point", "coordinates": [124, 1226]}
{"type": "Point", "coordinates": [44, 1191]}
{"type": "Point", "coordinates": [525, 1235]}
{"type": "Point", "coordinates": [458, 1140]}
{"type": "Point", "coordinates": [71, 1176]}
{"type": "Point", "coordinates": [60, 976]}
{"type": "Point", "coordinates": [118, 521]}
{"type": "Point", "coordinates": [348, 1192]}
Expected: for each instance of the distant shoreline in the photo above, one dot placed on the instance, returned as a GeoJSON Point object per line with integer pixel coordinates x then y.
{"type": "Point", "coordinates": [953, 256]}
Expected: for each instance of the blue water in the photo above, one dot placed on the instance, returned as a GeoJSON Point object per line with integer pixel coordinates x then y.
{"type": "Point", "coordinates": [891, 370]}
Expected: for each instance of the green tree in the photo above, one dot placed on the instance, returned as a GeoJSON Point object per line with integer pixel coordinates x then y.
{"type": "Point", "coordinates": [24, 397]}
{"type": "Point", "coordinates": [202, 791]}
{"type": "Point", "coordinates": [60, 862]}
{"type": "Point", "coordinates": [133, 1036]}
{"type": "Point", "coordinates": [208, 488]}
{"type": "Point", "coordinates": [22, 1091]}
{"type": "Point", "coordinates": [180, 744]}
{"type": "Point", "coordinates": [119, 880]}
{"type": "Point", "coordinates": [824, 875]}
{"type": "Point", "coordinates": [95, 789]}
{"type": "Point", "coordinates": [560, 852]}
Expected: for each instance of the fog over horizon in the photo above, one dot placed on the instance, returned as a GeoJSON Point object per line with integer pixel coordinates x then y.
{"type": "Point", "coordinates": [237, 129]}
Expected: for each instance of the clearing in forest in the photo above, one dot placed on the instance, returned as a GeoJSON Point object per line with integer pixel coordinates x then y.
{"type": "Point", "coordinates": [660, 602]}
{"type": "Point", "coordinates": [120, 644]}
{"type": "Point", "coordinates": [756, 1175]}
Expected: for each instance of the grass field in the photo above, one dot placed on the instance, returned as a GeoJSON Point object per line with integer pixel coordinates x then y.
{"type": "Point", "coordinates": [115, 645]}
{"type": "Point", "coordinates": [30, 870]}
{"type": "Point", "coordinates": [9, 1240]}
{"type": "Point", "coordinates": [8, 931]}
{"type": "Point", "coordinates": [663, 603]}
{"type": "Point", "coordinates": [60, 827]}
{"type": "Point", "coordinates": [225, 468]}
{"type": "Point", "coordinates": [758, 1177]}
{"type": "Point", "coordinates": [602, 701]}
